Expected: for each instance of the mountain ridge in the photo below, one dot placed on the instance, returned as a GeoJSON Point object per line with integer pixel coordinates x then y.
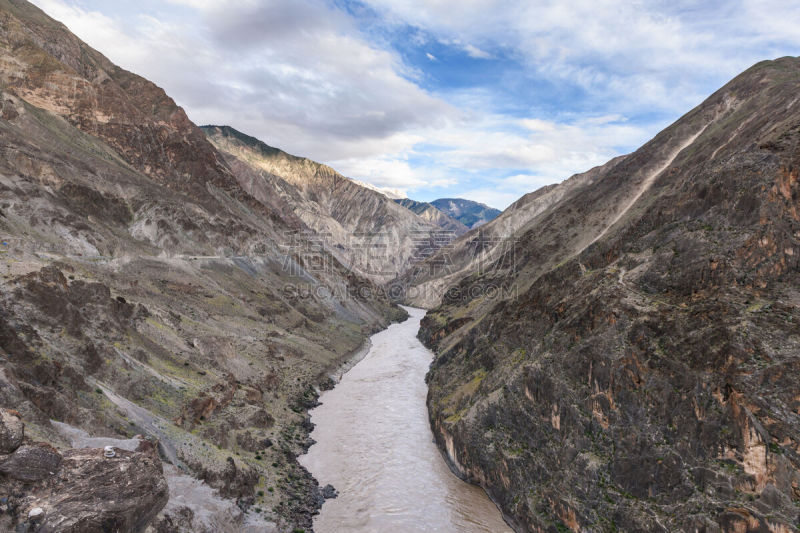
{"type": "Point", "coordinates": [608, 369]}
{"type": "Point", "coordinates": [347, 216]}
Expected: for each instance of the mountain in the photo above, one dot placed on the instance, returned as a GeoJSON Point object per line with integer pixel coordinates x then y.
{"type": "Point", "coordinates": [151, 285]}
{"type": "Point", "coordinates": [347, 218]}
{"type": "Point", "coordinates": [471, 214]}
{"type": "Point", "coordinates": [626, 357]}
{"type": "Point", "coordinates": [439, 219]}
{"type": "Point", "coordinates": [425, 283]}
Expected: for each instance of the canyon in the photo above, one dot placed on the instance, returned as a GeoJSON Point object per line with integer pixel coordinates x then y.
{"type": "Point", "coordinates": [150, 288]}
{"type": "Point", "coordinates": [616, 352]}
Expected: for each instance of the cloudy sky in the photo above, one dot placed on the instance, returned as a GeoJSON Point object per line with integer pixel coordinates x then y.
{"type": "Point", "coordinates": [482, 99]}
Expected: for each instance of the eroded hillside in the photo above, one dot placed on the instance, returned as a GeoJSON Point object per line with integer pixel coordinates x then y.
{"type": "Point", "coordinates": [638, 371]}
{"type": "Point", "coordinates": [148, 289]}
{"type": "Point", "coordinates": [362, 228]}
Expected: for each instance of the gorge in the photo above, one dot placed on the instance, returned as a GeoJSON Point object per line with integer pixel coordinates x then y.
{"type": "Point", "coordinates": [616, 352]}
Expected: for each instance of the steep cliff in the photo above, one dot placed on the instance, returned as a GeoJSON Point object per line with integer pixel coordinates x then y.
{"type": "Point", "coordinates": [147, 287]}
{"type": "Point", "coordinates": [630, 360]}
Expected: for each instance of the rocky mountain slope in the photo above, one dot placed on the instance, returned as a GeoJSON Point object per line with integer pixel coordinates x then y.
{"type": "Point", "coordinates": [471, 214]}
{"type": "Point", "coordinates": [148, 287]}
{"type": "Point", "coordinates": [428, 212]}
{"type": "Point", "coordinates": [628, 359]}
{"type": "Point", "coordinates": [362, 228]}
{"type": "Point", "coordinates": [425, 284]}
{"type": "Point", "coordinates": [76, 490]}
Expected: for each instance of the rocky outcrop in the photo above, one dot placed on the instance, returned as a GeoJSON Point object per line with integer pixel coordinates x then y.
{"type": "Point", "coordinates": [637, 372]}
{"type": "Point", "coordinates": [78, 491]}
{"type": "Point", "coordinates": [31, 462]}
{"type": "Point", "coordinates": [12, 431]}
{"type": "Point", "coordinates": [93, 493]}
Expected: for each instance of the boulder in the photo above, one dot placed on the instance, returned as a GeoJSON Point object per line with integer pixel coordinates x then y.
{"type": "Point", "coordinates": [11, 431]}
{"type": "Point", "coordinates": [329, 492]}
{"type": "Point", "coordinates": [94, 494]}
{"type": "Point", "coordinates": [31, 462]}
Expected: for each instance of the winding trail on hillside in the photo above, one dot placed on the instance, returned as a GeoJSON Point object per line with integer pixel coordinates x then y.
{"type": "Point", "coordinates": [648, 182]}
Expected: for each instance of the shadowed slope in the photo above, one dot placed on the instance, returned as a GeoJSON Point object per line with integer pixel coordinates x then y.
{"type": "Point", "coordinates": [638, 370]}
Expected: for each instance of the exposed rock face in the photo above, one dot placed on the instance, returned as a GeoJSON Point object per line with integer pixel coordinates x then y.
{"type": "Point", "coordinates": [12, 430]}
{"type": "Point", "coordinates": [638, 369]}
{"type": "Point", "coordinates": [147, 282]}
{"type": "Point", "coordinates": [79, 491]}
{"type": "Point", "coordinates": [363, 228]}
{"type": "Point", "coordinates": [31, 462]}
{"type": "Point", "coordinates": [434, 216]}
{"type": "Point", "coordinates": [471, 214]}
{"type": "Point", "coordinates": [91, 493]}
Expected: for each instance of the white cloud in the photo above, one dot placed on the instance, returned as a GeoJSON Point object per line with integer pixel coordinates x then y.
{"type": "Point", "coordinates": [491, 197]}
{"type": "Point", "coordinates": [636, 55]}
{"type": "Point", "coordinates": [197, 4]}
{"type": "Point", "coordinates": [475, 52]}
{"type": "Point", "coordinates": [550, 151]}
{"type": "Point", "coordinates": [301, 75]}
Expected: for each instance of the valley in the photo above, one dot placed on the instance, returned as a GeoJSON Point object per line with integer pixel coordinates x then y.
{"type": "Point", "coordinates": [201, 332]}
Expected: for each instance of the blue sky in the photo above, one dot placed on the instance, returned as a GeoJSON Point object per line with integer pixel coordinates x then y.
{"type": "Point", "coordinates": [482, 99]}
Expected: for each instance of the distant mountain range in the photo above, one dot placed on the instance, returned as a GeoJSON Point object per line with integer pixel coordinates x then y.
{"type": "Point", "coordinates": [466, 212]}
{"type": "Point", "coordinates": [471, 214]}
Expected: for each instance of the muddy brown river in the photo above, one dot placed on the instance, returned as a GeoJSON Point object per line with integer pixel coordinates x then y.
{"type": "Point", "coordinates": [374, 444]}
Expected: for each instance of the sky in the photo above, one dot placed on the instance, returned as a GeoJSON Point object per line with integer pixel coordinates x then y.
{"type": "Point", "coordinates": [478, 99]}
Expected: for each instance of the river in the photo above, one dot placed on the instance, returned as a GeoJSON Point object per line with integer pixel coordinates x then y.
{"type": "Point", "coordinates": [374, 444]}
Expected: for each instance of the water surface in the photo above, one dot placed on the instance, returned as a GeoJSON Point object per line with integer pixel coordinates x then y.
{"type": "Point", "coordinates": [374, 444]}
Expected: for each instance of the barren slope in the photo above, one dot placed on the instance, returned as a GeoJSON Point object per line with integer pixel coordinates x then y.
{"type": "Point", "coordinates": [364, 229]}
{"type": "Point", "coordinates": [145, 288]}
{"type": "Point", "coordinates": [639, 369]}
